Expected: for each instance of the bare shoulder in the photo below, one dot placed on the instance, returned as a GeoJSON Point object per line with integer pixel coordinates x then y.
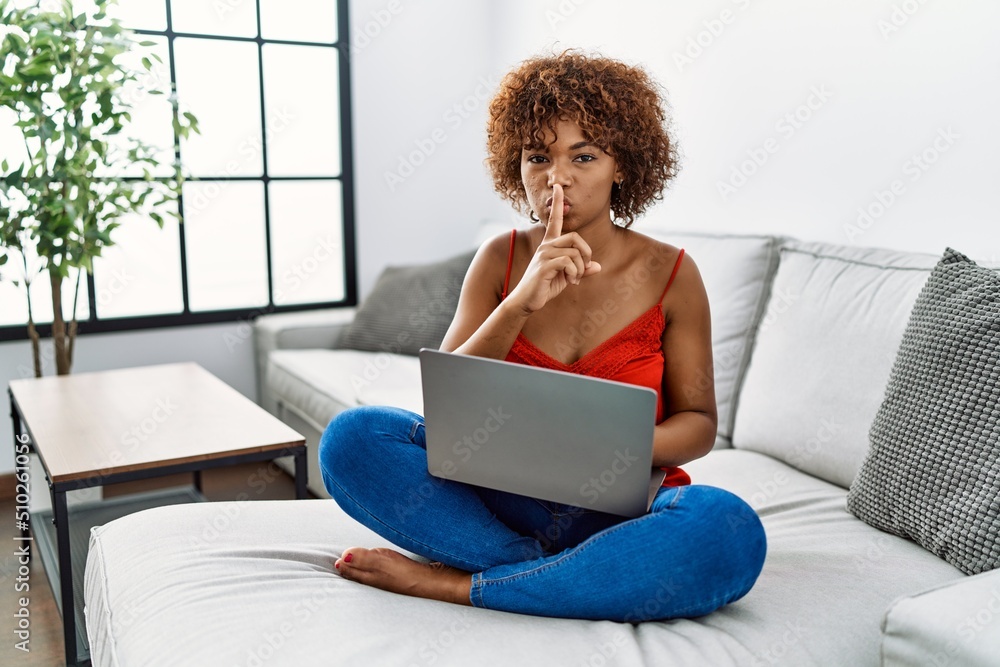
{"type": "Point", "coordinates": [490, 264]}
{"type": "Point", "coordinates": [655, 256]}
{"type": "Point", "coordinates": [687, 287]}
{"type": "Point", "coordinates": [495, 248]}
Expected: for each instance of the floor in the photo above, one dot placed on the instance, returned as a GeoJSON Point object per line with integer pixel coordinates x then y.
{"type": "Point", "coordinates": [46, 643]}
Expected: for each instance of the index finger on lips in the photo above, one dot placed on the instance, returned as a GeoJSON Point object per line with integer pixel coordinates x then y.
{"type": "Point", "coordinates": [553, 228]}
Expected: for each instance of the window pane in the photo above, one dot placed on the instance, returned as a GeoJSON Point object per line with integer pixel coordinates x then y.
{"type": "Point", "coordinates": [226, 249]}
{"type": "Point", "coordinates": [299, 20]}
{"type": "Point", "coordinates": [152, 115]}
{"type": "Point", "coordinates": [141, 273]}
{"type": "Point", "coordinates": [141, 14]}
{"type": "Point", "coordinates": [14, 304]}
{"type": "Point", "coordinates": [238, 19]}
{"type": "Point", "coordinates": [307, 249]}
{"type": "Point", "coordinates": [226, 102]}
{"type": "Point", "coordinates": [302, 106]}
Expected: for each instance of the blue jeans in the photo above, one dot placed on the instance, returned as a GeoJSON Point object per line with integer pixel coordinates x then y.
{"type": "Point", "coordinates": [697, 549]}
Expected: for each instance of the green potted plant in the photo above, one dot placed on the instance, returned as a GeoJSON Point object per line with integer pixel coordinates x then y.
{"type": "Point", "coordinates": [64, 78]}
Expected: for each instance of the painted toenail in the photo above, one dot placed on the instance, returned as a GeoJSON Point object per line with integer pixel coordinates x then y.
{"type": "Point", "coordinates": [337, 565]}
{"type": "Point", "coordinates": [348, 558]}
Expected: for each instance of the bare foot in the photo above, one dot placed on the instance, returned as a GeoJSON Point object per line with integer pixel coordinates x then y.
{"type": "Point", "coordinates": [392, 571]}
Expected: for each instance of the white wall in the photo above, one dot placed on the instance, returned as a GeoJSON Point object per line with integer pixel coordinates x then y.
{"type": "Point", "coordinates": [897, 75]}
{"type": "Point", "coordinates": [420, 87]}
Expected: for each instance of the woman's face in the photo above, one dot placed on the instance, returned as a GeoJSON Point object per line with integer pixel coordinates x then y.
{"type": "Point", "coordinates": [583, 169]}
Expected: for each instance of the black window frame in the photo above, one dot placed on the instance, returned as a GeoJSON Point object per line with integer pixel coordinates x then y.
{"type": "Point", "coordinates": [93, 324]}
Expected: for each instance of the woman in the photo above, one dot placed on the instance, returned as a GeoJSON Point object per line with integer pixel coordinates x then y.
{"type": "Point", "coordinates": [577, 141]}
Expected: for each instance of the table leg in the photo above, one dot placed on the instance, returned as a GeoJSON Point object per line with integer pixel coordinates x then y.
{"type": "Point", "coordinates": [65, 574]}
{"type": "Point", "coordinates": [301, 475]}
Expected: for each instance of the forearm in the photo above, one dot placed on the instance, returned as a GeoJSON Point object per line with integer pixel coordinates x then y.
{"type": "Point", "coordinates": [495, 336]}
{"type": "Point", "coordinates": [683, 437]}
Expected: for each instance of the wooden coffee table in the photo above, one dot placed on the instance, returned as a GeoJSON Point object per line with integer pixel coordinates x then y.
{"type": "Point", "coordinates": [95, 429]}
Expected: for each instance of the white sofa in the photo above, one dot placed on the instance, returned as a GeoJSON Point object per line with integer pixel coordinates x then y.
{"type": "Point", "coordinates": [804, 334]}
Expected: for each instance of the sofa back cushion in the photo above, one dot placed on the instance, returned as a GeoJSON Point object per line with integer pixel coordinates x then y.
{"type": "Point", "coordinates": [410, 307]}
{"type": "Point", "coordinates": [823, 353]}
{"type": "Point", "coordinates": [736, 270]}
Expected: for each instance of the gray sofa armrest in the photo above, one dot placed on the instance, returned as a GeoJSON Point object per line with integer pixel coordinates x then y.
{"type": "Point", "coordinates": [955, 623]}
{"type": "Point", "coordinates": [284, 331]}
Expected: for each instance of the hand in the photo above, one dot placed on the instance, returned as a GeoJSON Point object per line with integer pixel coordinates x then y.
{"type": "Point", "coordinates": [559, 260]}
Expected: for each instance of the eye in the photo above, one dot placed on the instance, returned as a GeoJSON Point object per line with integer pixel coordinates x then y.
{"type": "Point", "coordinates": [586, 158]}
{"type": "Point", "coordinates": [535, 159]}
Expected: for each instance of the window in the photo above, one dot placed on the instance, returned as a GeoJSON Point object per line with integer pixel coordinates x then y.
{"type": "Point", "coordinates": [268, 207]}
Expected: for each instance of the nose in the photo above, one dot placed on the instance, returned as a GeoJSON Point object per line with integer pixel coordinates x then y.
{"type": "Point", "coordinates": [558, 174]}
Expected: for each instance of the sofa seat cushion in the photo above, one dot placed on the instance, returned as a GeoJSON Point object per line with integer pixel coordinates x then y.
{"type": "Point", "coordinates": [252, 583]}
{"type": "Point", "coordinates": [317, 384]}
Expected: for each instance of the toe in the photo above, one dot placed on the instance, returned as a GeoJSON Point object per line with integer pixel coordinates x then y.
{"type": "Point", "coordinates": [347, 560]}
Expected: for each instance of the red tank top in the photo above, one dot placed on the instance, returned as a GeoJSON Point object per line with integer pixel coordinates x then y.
{"type": "Point", "coordinates": [633, 354]}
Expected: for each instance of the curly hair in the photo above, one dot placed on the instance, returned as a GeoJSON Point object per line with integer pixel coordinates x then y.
{"type": "Point", "coordinates": [617, 106]}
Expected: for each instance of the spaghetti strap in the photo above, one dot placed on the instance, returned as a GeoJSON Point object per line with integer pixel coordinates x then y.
{"type": "Point", "coordinates": [673, 273]}
{"type": "Point", "coordinates": [510, 262]}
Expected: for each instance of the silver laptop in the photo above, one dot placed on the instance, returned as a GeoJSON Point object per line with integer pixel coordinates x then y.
{"type": "Point", "coordinates": [542, 433]}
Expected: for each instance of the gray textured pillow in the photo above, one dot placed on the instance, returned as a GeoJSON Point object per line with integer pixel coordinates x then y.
{"type": "Point", "coordinates": [933, 470]}
{"type": "Point", "coordinates": [410, 307]}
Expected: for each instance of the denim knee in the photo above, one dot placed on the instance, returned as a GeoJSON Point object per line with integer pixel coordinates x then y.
{"type": "Point", "coordinates": [740, 529]}
{"type": "Point", "coordinates": [353, 440]}
{"type": "Point", "coordinates": [723, 541]}
{"type": "Point", "coordinates": [340, 439]}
